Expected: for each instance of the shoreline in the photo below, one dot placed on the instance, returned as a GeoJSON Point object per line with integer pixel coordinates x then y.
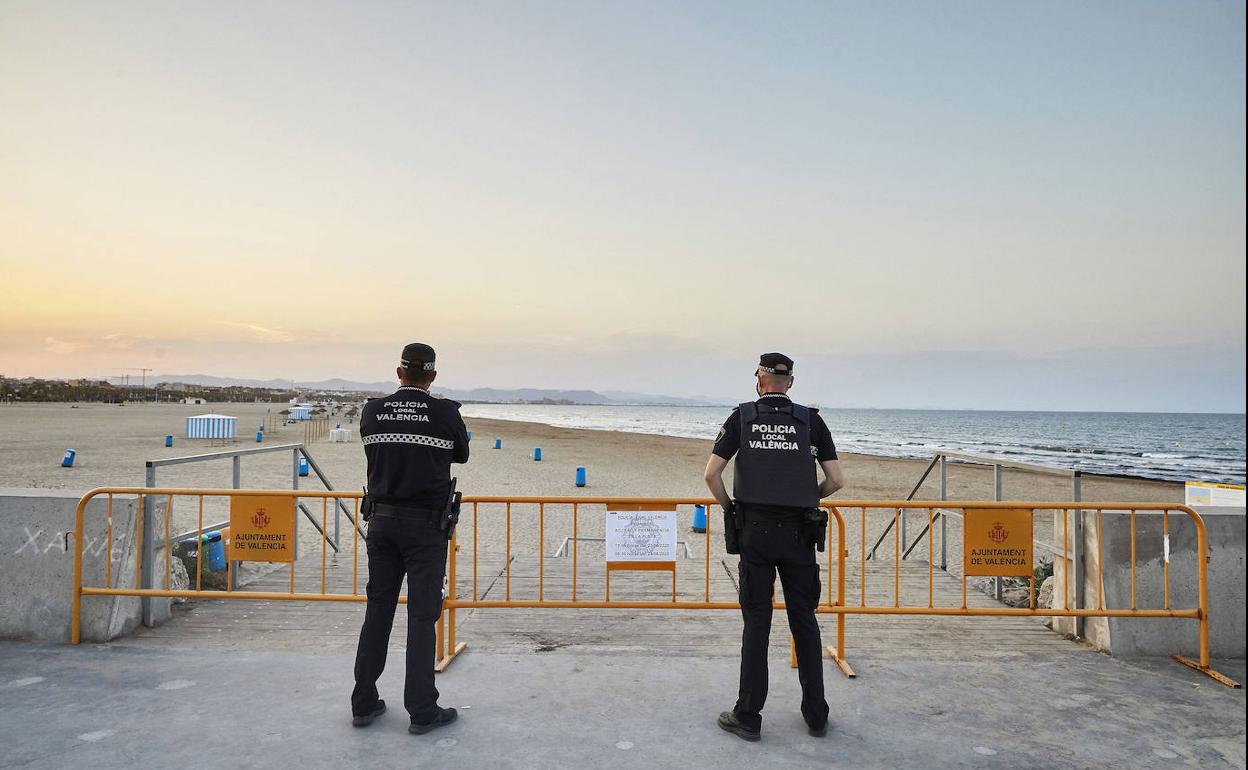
{"type": "Point", "coordinates": [114, 443]}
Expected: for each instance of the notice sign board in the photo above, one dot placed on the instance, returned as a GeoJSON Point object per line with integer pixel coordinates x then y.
{"type": "Point", "coordinates": [262, 528]}
{"type": "Point", "coordinates": [1204, 493]}
{"type": "Point", "coordinates": [997, 542]}
{"type": "Point", "coordinates": [641, 536]}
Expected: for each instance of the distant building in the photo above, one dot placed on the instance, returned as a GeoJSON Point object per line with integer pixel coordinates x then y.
{"type": "Point", "coordinates": [193, 400]}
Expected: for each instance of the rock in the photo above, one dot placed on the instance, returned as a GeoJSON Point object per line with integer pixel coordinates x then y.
{"type": "Point", "coordinates": [178, 579]}
{"type": "Point", "coordinates": [1015, 597]}
{"type": "Point", "coordinates": [1045, 599]}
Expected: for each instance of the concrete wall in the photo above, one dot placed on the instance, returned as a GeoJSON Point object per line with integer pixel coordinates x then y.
{"type": "Point", "coordinates": [1146, 637]}
{"type": "Point", "coordinates": [37, 566]}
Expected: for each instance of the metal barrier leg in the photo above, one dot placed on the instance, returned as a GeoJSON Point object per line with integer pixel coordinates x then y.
{"type": "Point", "coordinates": [447, 620]}
{"type": "Point", "coordinates": [1202, 588]}
{"type": "Point", "coordinates": [1207, 671]}
{"type": "Point", "coordinates": [447, 639]}
{"type": "Point", "coordinates": [841, 663]}
{"type": "Point", "coordinates": [837, 652]}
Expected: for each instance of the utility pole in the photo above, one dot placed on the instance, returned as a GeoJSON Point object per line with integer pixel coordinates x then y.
{"type": "Point", "coordinates": [143, 371]}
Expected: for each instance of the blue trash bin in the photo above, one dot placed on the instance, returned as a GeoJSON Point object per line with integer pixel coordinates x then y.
{"type": "Point", "coordinates": [259, 436]}
{"type": "Point", "coordinates": [580, 476]}
{"type": "Point", "coordinates": [699, 518]}
{"type": "Point", "coordinates": [68, 460]}
{"type": "Point", "coordinates": [470, 435]}
{"type": "Point", "coordinates": [168, 440]}
{"type": "Point", "coordinates": [537, 454]}
{"type": "Point", "coordinates": [215, 551]}
{"type": "Point", "coordinates": [303, 466]}
{"type": "Point", "coordinates": [498, 443]}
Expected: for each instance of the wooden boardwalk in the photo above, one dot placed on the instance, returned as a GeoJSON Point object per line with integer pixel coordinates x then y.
{"type": "Point", "coordinates": [316, 626]}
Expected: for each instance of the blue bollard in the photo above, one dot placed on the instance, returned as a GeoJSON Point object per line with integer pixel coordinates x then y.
{"type": "Point", "coordinates": [259, 436]}
{"type": "Point", "coordinates": [699, 518]}
{"type": "Point", "coordinates": [537, 454]}
{"type": "Point", "coordinates": [168, 440]}
{"type": "Point", "coordinates": [68, 460]}
{"type": "Point", "coordinates": [303, 466]}
{"type": "Point", "coordinates": [498, 443]}
{"type": "Point", "coordinates": [580, 476]}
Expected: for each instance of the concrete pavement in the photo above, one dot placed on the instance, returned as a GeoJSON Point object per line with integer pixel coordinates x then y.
{"type": "Point", "coordinates": [118, 706]}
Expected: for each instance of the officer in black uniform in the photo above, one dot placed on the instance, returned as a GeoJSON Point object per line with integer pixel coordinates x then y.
{"type": "Point", "coordinates": [775, 525]}
{"type": "Point", "coordinates": [410, 440]}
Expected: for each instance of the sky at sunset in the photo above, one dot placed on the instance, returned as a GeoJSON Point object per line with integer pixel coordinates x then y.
{"type": "Point", "coordinates": [954, 204]}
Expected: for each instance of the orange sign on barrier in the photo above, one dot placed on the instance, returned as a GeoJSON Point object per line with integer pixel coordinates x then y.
{"type": "Point", "coordinates": [997, 542]}
{"type": "Point", "coordinates": [262, 528]}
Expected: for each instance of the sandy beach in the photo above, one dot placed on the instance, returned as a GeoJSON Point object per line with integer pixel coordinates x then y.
{"type": "Point", "coordinates": [113, 442]}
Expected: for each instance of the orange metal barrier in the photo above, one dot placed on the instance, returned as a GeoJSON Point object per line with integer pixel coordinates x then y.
{"type": "Point", "coordinates": [836, 557]}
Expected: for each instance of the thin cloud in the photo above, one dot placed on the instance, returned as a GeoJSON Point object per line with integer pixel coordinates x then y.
{"type": "Point", "coordinates": [262, 332]}
{"type": "Point", "coordinates": [61, 347]}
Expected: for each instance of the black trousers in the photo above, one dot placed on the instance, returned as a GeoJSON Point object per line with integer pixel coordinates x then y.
{"type": "Point", "coordinates": [768, 546]}
{"type": "Point", "coordinates": [398, 546]}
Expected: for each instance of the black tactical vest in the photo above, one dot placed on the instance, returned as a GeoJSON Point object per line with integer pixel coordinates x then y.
{"type": "Point", "coordinates": [774, 463]}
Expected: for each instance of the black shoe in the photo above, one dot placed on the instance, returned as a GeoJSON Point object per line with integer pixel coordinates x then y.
{"type": "Point", "coordinates": [728, 721]}
{"type": "Point", "coordinates": [444, 717]}
{"type": "Point", "coordinates": [818, 732]}
{"type": "Point", "coordinates": [364, 720]}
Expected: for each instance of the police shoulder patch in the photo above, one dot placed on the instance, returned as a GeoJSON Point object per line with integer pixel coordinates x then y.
{"type": "Point", "coordinates": [722, 432]}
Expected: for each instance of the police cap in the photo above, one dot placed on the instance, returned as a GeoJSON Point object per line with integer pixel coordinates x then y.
{"type": "Point", "coordinates": [775, 363]}
{"type": "Point", "coordinates": [418, 357]}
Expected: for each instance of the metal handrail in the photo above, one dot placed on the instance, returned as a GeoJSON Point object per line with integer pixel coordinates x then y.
{"type": "Point", "coordinates": [909, 497]}
{"type": "Point", "coordinates": [997, 465]}
{"type": "Point", "coordinates": [223, 454]}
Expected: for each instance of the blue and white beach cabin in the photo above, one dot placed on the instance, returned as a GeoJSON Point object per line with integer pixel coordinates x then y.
{"type": "Point", "coordinates": [300, 413]}
{"type": "Point", "coordinates": [211, 426]}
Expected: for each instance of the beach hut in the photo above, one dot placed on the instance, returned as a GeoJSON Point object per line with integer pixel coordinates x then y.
{"type": "Point", "coordinates": [211, 426]}
{"type": "Point", "coordinates": [301, 413]}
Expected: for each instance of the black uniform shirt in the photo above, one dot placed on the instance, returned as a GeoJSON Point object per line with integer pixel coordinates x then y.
{"type": "Point", "coordinates": [410, 440]}
{"type": "Point", "coordinates": [729, 439]}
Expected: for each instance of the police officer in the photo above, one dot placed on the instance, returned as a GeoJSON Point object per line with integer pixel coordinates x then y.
{"type": "Point", "coordinates": [410, 440]}
{"type": "Point", "coordinates": [774, 524]}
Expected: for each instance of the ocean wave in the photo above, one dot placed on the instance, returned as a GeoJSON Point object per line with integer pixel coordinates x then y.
{"type": "Point", "coordinates": [1125, 445]}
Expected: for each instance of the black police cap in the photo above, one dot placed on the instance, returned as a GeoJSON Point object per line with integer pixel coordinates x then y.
{"type": "Point", "coordinates": [775, 363]}
{"type": "Point", "coordinates": [418, 356]}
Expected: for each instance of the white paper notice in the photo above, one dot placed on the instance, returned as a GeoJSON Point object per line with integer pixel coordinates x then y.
{"type": "Point", "coordinates": [641, 535]}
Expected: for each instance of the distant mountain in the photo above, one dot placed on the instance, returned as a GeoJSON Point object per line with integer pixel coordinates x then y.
{"type": "Point", "coordinates": [488, 395]}
{"type": "Point", "coordinates": [209, 380]}
{"type": "Point", "coordinates": [625, 397]}
{"type": "Point", "coordinates": [513, 395]}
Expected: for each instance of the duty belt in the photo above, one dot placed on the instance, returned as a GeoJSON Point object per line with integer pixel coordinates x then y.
{"type": "Point", "coordinates": [403, 512]}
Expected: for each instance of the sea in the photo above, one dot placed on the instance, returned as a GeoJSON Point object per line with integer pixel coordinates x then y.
{"type": "Point", "coordinates": [1173, 447]}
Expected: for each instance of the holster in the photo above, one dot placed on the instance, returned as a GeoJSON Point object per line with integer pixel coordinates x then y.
{"type": "Point", "coordinates": [732, 529]}
{"type": "Point", "coordinates": [450, 514]}
{"type": "Point", "coordinates": [368, 506]}
{"type": "Point", "coordinates": [816, 523]}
